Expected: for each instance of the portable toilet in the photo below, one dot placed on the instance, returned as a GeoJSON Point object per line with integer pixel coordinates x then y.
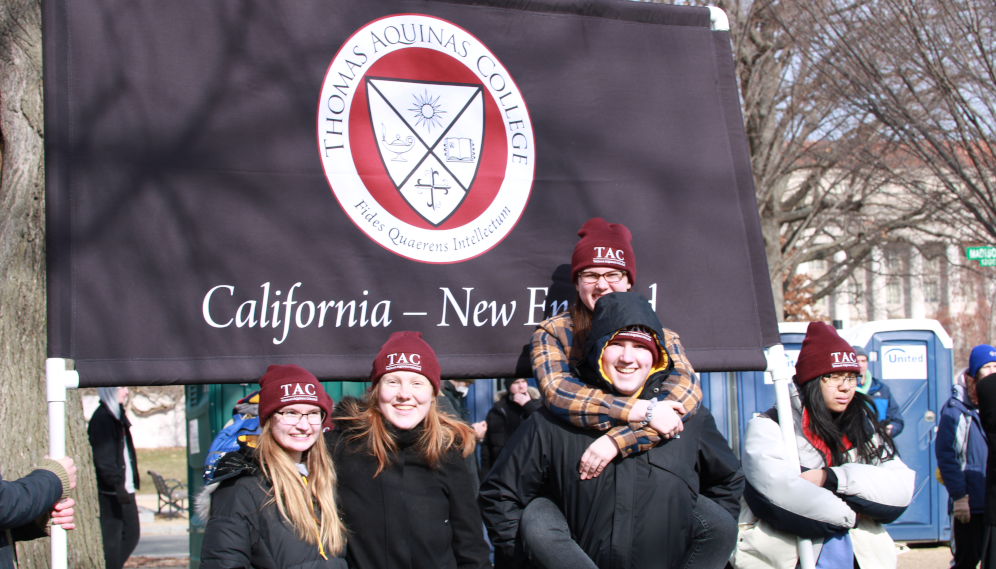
{"type": "Point", "coordinates": [913, 358]}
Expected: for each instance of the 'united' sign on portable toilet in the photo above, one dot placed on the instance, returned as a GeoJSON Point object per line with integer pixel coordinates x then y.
{"type": "Point", "coordinates": [913, 359]}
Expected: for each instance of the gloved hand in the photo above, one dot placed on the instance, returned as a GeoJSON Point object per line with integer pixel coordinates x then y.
{"type": "Point", "coordinates": [123, 496]}
{"type": "Point", "coordinates": [961, 512]}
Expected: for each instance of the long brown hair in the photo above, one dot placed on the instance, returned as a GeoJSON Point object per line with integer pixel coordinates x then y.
{"type": "Point", "coordinates": [581, 317]}
{"type": "Point", "coordinates": [440, 432]}
{"type": "Point", "coordinates": [294, 497]}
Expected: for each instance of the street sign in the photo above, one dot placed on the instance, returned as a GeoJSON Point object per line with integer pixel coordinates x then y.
{"type": "Point", "coordinates": [981, 254]}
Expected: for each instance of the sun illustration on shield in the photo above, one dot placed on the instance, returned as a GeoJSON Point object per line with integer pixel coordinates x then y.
{"type": "Point", "coordinates": [427, 111]}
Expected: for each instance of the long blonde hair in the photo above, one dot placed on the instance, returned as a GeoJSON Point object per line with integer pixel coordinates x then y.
{"type": "Point", "coordinates": [294, 497]}
{"type": "Point", "coordinates": [440, 432]}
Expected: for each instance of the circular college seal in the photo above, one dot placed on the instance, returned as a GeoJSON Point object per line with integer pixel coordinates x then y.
{"type": "Point", "coordinates": [425, 139]}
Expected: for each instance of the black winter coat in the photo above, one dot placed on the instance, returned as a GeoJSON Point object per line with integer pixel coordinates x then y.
{"type": "Point", "coordinates": [503, 420]}
{"type": "Point", "coordinates": [986, 391]}
{"type": "Point", "coordinates": [246, 529]}
{"type": "Point", "coordinates": [410, 516]}
{"type": "Point", "coordinates": [108, 437]}
{"type": "Point", "coordinates": [22, 502]}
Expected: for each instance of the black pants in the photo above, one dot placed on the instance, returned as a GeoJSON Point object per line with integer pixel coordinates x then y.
{"type": "Point", "coordinates": [966, 543]}
{"type": "Point", "coordinates": [119, 526]}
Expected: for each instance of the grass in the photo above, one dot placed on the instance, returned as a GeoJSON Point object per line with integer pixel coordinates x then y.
{"type": "Point", "coordinates": [170, 462]}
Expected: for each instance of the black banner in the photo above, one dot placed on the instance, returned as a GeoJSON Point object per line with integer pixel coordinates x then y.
{"type": "Point", "coordinates": [237, 183]}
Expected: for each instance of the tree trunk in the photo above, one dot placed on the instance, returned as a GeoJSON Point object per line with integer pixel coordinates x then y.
{"type": "Point", "coordinates": [23, 409]}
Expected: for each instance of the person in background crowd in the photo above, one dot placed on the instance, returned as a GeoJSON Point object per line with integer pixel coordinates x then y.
{"type": "Point", "coordinates": [117, 475]}
{"type": "Point", "coordinates": [852, 481]}
{"type": "Point", "coordinates": [512, 407]}
{"type": "Point", "coordinates": [962, 452]}
{"type": "Point", "coordinates": [243, 429]}
{"type": "Point", "coordinates": [985, 392]}
{"type": "Point", "coordinates": [29, 504]}
{"type": "Point", "coordinates": [275, 505]}
{"type": "Point", "coordinates": [452, 400]}
{"type": "Point", "coordinates": [881, 396]}
{"type": "Point", "coordinates": [405, 493]}
{"type": "Point", "coordinates": [639, 512]}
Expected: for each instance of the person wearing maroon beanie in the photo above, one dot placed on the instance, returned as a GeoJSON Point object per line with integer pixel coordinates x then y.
{"type": "Point", "coordinates": [276, 505]}
{"type": "Point", "coordinates": [852, 480]}
{"type": "Point", "coordinates": [405, 491]}
{"type": "Point", "coordinates": [604, 262]}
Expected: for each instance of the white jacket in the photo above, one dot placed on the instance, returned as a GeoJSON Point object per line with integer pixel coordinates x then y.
{"type": "Point", "coordinates": [881, 492]}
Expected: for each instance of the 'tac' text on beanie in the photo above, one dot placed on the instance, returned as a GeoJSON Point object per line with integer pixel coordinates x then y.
{"type": "Point", "coordinates": [603, 244]}
{"type": "Point", "coordinates": [406, 351]}
{"type": "Point", "coordinates": [284, 385]}
{"type": "Point", "coordinates": [823, 352]}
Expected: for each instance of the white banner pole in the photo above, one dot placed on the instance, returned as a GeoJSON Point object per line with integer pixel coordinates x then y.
{"type": "Point", "coordinates": [58, 379]}
{"type": "Point", "coordinates": [781, 374]}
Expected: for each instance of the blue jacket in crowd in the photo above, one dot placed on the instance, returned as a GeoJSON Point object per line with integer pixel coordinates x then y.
{"type": "Point", "coordinates": [885, 405]}
{"type": "Point", "coordinates": [962, 451]}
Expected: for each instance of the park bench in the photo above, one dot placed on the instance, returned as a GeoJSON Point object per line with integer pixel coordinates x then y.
{"type": "Point", "coordinates": [171, 492]}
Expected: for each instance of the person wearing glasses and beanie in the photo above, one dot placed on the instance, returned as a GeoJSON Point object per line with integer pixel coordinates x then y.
{"type": "Point", "coordinates": [405, 493]}
{"type": "Point", "coordinates": [603, 262]}
{"type": "Point", "coordinates": [851, 481]}
{"type": "Point", "coordinates": [274, 505]}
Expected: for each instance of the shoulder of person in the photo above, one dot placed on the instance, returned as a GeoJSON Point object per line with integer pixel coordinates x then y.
{"type": "Point", "coordinates": [241, 462]}
{"type": "Point", "coordinates": [553, 324]}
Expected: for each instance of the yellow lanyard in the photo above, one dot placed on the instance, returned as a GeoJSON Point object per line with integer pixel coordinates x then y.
{"type": "Point", "coordinates": [318, 533]}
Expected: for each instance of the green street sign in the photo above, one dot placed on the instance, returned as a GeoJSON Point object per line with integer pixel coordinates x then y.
{"type": "Point", "coordinates": [981, 254]}
{"type": "Point", "coordinates": [991, 262]}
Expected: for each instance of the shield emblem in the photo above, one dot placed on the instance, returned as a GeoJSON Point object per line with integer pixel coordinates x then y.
{"type": "Point", "coordinates": [429, 137]}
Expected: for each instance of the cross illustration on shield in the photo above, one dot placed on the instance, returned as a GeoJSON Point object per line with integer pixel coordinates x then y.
{"type": "Point", "coordinates": [429, 137]}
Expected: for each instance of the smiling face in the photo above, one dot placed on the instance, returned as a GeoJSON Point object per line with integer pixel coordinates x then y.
{"type": "Point", "coordinates": [626, 364]}
{"type": "Point", "coordinates": [404, 398]}
{"type": "Point", "coordinates": [590, 292]}
{"type": "Point", "coordinates": [297, 438]}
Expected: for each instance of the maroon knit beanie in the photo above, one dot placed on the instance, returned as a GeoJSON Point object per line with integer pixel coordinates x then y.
{"type": "Point", "coordinates": [603, 245]}
{"type": "Point", "coordinates": [287, 385]}
{"type": "Point", "coordinates": [406, 351]}
{"type": "Point", "coordinates": [642, 336]}
{"type": "Point", "coordinates": [823, 352]}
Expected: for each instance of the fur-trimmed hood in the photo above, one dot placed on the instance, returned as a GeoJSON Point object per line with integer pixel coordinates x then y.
{"type": "Point", "coordinates": [237, 463]}
{"type": "Point", "coordinates": [533, 393]}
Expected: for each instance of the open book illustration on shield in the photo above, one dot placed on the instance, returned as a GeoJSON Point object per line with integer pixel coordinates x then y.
{"type": "Point", "coordinates": [429, 141]}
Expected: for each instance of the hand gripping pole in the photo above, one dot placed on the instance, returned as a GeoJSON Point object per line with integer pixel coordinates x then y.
{"type": "Point", "coordinates": [58, 379]}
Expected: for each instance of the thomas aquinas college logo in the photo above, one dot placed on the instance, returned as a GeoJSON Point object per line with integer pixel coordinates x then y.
{"type": "Point", "coordinates": [425, 139]}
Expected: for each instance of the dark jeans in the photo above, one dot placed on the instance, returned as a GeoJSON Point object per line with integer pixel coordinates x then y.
{"type": "Point", "coordinates": [120, 529]}
{"type": "Point", "coordinates": [547, 539]}
{"type": "Point", "coordinates": [966, 542]}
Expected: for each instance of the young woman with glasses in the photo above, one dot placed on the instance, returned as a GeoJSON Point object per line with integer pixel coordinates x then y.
{"type": "Point", "coordinates": [274, 505]}
{"type": "Point", "coordinates": [851, 481]}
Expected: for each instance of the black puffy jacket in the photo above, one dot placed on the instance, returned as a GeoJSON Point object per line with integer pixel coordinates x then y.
{"type": "Point", "coordinates": [411, 516]}
{"type": "Point", "coordinates": [246, 529]}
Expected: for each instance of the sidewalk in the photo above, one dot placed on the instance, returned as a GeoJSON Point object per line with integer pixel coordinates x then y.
{"type": "Point", "coordinates": [164, 541]}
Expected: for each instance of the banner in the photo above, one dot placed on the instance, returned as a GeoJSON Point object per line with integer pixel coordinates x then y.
{"type": "Point", "coordinates": [237, 183]}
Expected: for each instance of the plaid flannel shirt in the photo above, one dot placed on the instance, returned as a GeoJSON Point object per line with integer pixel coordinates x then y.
{"type": "Point", "coordinates": [578, 404]}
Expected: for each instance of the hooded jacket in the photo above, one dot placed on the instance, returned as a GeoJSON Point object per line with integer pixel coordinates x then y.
{"type": "Point", "coordinates": [638, 512]}
{"type": "Point", "coordinates": [885, 406]}
{"type": "Point", "coordinates": [109, 436]}
{"type": "Point", "coordinates": [962, 450]}
{"type": "Point", "coordinates": [411, 515]}
{"type": "Point", "coordinates": [244, 526]}
{"type": "Point", "coordinates": [779, 505]}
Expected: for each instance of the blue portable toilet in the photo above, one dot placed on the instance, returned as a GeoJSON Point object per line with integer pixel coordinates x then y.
{"type": "Point", "coordinates": [913, 358]}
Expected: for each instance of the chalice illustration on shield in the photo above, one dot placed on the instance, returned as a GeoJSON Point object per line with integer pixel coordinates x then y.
{"type": "Point", "coordinates": [396, 146]}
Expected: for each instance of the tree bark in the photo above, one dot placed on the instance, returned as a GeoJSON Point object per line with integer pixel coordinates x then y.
{"type": "Point", "coordinates": [23, 409]}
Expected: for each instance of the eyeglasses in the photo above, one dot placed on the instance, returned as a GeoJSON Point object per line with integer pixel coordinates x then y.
{"type": "Point", "coordinates": [291, 418]}
{"type": "Point", "coordinates": [589, 277]}
{"type": "Point", "coordinates": [838, 379]}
